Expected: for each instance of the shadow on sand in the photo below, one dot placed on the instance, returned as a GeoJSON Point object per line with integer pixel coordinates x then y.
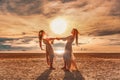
{"type": "Point", "coordinates": [75, 75]}
{"type": "Point", "coordinates": [45, 75]}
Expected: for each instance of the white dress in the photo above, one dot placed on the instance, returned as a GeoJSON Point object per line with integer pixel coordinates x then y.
{"type": "Point", "coordinates": [68, 55]}
{"type": "Point", "coordinates": [49, 50]}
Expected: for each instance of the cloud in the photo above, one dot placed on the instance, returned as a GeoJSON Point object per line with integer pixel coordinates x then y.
{"type": "Point", "coordinates": [64, 1]}
{"type": "Point", "coordinates": [21, 7]}
{"type": "Point", "coordinates": [29, 16]}
{"type": "Point", "coordinates": [103, 26]}
{"type": "Point", "coordinates": [59, 44]}
{"type": "Point", "coordinates": [106, 32]}
{"type": "Point", "coordinates": [115, 10]}
{"type": "Point", "coordinates": [24, 43]}
{"type": "Point", "coordinates": [56, 7]}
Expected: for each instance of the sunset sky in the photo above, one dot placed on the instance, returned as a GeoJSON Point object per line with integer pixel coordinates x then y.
{"type": "Point", "coordinates": [20, 20]}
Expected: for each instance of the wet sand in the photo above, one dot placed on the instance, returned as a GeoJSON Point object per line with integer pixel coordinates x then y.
{"type": "Point", "coordinates": [25, 66]}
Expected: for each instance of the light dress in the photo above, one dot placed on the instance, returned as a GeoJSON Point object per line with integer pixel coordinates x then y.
{"type": "Point", "coordinates": [49, 50]}
{"type": "Point", "coordinates": [68, 55]}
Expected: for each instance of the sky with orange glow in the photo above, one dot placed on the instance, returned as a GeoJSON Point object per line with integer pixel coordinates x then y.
{"type": "Point", "coordinates": [20, 20]}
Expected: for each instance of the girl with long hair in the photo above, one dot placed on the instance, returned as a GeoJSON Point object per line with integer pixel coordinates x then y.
{"type": "Point", "coordinates": [49, 50]}
{"type": "Point", "coordinates": [68, 56]}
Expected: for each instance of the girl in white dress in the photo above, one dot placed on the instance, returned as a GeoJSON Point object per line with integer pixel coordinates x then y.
{"type": "Point", "coordinates": [68, 56]}
{"type": "Point", "coordinates": [49, 50]}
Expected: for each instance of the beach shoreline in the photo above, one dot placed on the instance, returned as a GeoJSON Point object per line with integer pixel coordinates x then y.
{"type": "Point", "coordinates": [77, 55]}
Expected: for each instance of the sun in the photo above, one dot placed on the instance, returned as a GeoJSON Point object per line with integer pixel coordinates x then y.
{"type": "Point", "coordinates": [58, 25]}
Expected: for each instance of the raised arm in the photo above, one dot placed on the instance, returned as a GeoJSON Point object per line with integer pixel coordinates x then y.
{"type": "Point", "coordinates": [51, 40]}
{"type": "Point", "coordinates": [64, 38]}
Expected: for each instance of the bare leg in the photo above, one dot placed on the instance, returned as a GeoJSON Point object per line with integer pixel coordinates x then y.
{"type": "Point", "coordinates": [51, 64]}
{"type": "Point", "coordinates": [64, 67]}
{"type": "Point", "coordinates": [74, 64]}
{"type": "Point", "coordinates": [47, 59]}
{"type": "Point", "coordinates": [68, 65]}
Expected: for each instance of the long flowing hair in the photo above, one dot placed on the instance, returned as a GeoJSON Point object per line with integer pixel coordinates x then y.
{"type": "Point", "coordinates": [76, 35]}
{"type": "Point", "coordinates": [40, 36]}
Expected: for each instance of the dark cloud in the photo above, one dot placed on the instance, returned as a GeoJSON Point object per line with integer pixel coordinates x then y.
{"type": "Point", "coordinates": [115, 10]}
{"type": "Point", "coordinates": [7, 43]}
{"type": "Point", "coordinates": [23, 39]}
{"type": "Point", "coordinates": [82, 5]}
{"type": "Point", "coordinates": [51, 8]}
{"type": "Point", "coordinates": [106, 32]}
{"type": "Point", "coordinates": [10, 48]}
{"type": "Point", "coordinates": [5, 39]}
{"type": "Point", "coordinates": [4, 47]}
{"type": "Point", "coordinates": [21, 7]}
{"type": "Point", "coordinates": [64, 1]}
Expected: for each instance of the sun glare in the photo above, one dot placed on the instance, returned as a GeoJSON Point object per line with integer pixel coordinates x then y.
{"type": "Point", "coordinates": [58, 25]}
{"type": "Point", "coordinates": [60, 52]}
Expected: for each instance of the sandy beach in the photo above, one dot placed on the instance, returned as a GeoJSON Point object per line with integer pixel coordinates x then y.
{"type": "Point", "coordinates": [34, 67]}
